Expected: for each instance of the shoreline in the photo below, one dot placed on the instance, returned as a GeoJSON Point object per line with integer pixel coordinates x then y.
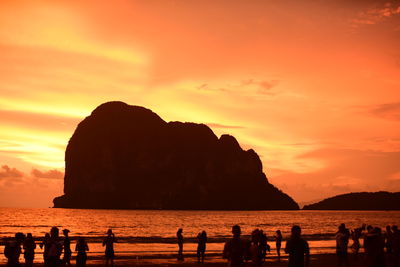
{"type": "Point", "coordinates": [326, 260]}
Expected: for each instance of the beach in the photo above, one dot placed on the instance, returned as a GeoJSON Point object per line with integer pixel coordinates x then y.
{"type": "Point", "coordinates": [148, 237]}
{"type": "Point", "coordinates": [325, 260]}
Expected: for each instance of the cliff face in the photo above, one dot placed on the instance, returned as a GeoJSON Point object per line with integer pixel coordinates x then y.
{"type": "Point", "coordinates": [127, 157]}
{"type": "Point", "coordinates": [359, 201]}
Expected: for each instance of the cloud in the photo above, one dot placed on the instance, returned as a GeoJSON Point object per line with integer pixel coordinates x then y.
{"type": "Point", "coordinates": [51, 174]}
{"type": "Point", "coordinates": [263, 86]}
{"type": "Point", "coordinates": [247, 86]}
{"type": "Point", "coordinates": [29, 190]}
{"type": "Point", "coordinates": [344, 171]}
{"type": "Point", "coordinates": [7, 172]}
{"type": "Point", "coordinates": [377, 14]}
{"type": "Point", "coordinates": [217, 125]}
{"type": "Point", "coordinates": [389, 111]}
{"type": "Point", "coordinates": [38, 120]}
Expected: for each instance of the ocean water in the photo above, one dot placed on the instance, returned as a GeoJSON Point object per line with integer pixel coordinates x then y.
{"type": "Point", "coordinates": [146, 232]}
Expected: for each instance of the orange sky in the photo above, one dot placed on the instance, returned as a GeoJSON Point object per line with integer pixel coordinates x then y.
{"type": "Point", "coordinates": [312, 86]}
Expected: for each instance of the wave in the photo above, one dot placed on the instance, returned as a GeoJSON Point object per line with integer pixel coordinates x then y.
{"type": "Point", "coordinates": [173, 240]}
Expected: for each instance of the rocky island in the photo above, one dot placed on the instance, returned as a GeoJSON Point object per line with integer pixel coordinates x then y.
{"type": "Point", "coordinates": [127, 157]}
{"type": "Point", "coordinates": [359, 201]}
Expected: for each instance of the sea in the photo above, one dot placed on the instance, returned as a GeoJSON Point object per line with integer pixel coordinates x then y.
{"type": "Point", "coordinates": [151, 233]}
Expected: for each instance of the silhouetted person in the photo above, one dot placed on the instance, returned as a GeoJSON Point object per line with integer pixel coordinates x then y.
{"type": "Point", "coordinates": [67, 248]}
{"type": "Point", "coordinates": [278, 243]}
{"type": "Point", "coordinates": [374, 244]}
{"type": "Point", "coordinates": [264, 244]}
{"type": "Point", "coordinates": [355, 236]}
{"type": "Point", "coordinates": [396, 245]}
{"type": "Point", "coordinates": [179, 237]}
{"type": "Point", "coordinates": [12, 250]}
{"type": "Point", "coordinates": [109, 244]}
{"type": "Point", "coordinates": [55, 248]}
{"type": "Point", "coordinates": [256, 249]}
{"type": "Point", "coordinates": [235, 250]}
{"type": "Point", "coordinates": [388, 239]}
{"type": "Point", "coordinates": [342, 242]}
{"type": "Point", "coordinates": [81, 247]}
{"type": "Point", "coordinates": [29, 250]}
{"type": "Point", "coordinates": [45, 245]}
{"type": "Point", "coordinates": [201, 246]}
{"type": "Point", "coordinates": [298, 249]}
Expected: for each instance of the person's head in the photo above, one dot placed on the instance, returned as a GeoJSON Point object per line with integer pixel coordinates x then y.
{"type": "Point", "coordinates": [377, 230]}
{"type": "Point", "coordinates": [204, 233]}
{"type": "Point", "coordinates": [388, 228]}
{"type": "Point", "coordinates": [46, 236]}
{"type": "Point", "coordinates": [109, 232]}
{"type": "Point", "coordinates": [369, 228]}
{"type": "Point", "coordinates": [255, 235]}
{"type": "Point", "coordinates": [29, 236]}
{"type": "Point", "coordinates": [342, 228]}
{"type": "Point", "coordinates": [81, 240]}
{"type": "Point", "coordinates": [296, 231]}
{"type": "Point", "coordinates": [19, 237]}
{"type": "Point", "coordinates": [180, 230]}
{"type": "Point", "coordinates": [236, 231]}
{"type": "Point", "coordinates": [278, 232]}
{"type": "Point", "coordinates": [394, 228]}
{"type": "Point", "coordinates": [65, 232]}
{"type": "Point", "coordinates": [54, 232]}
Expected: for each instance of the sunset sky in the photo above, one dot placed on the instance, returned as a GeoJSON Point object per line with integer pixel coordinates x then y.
{"type": "Point", "coordinates": [312, 86]}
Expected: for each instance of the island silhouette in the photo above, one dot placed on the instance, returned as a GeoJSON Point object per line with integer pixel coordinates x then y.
{"type": "Point", "coordinates": [127, 157]}
{"type": "Point", "coordinates": [359, 201]}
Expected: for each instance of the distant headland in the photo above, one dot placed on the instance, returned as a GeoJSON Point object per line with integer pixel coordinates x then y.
{"type": "Point", "coordinates": [127, 157]}
{"type": "Point", "coordinates": [359, 201]}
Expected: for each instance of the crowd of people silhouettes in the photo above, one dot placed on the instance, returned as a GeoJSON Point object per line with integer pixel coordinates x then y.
{"type": "Point", "coordinates": [378, 247]}
{"type": "Point", "coordinates": [53, 248]}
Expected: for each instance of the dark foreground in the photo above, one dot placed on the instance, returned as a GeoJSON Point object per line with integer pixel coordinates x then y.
{"type": "Point", "coordinates": [323, 260]}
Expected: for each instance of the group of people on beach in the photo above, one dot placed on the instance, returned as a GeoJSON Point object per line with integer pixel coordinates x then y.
{"type": "Point", "coordinates": [375, 243]}
{"type": "Point", "coordinates": [378, 246]}
{"type": "Point", "coordinates": [238, 250]}
{"type": "Point", "coordinates": [53, 248]}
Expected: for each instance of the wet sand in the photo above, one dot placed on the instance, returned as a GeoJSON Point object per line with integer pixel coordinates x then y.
{"type": "Point", "coordinates": [325, 260]}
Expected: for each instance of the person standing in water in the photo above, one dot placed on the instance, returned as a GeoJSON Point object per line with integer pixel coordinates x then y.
{"type": "Point", "coordinates": [81, 247]}
{"type": "Point", "coordinates": [180, 243]}
{"type": "Point", "coordinates": [29, 250]}
{"type": "Point", "coordinates": [278, 243]}
{"type": "Point", "coordinates": [235, 250]}
{"type": "Point", "coordinates": [355, 236]}
{"type": "Point", "coordinates": [109, 244]}
{"type": "Point", "coordinates": [67, 248]}
{"type": "Point", "coordinates": [201, 246]}
{"type": "Point", "coordinates": [298, 249]}
{"type": "Point", "coordinates": [45, 245]}
{"type": "Point", "coordinates": [256, 249]}
{"type": "Point", "coordinates": [12, 250]}
{"type": "Point", "coordinates": [55, 248]}
{"type": "Point", "coordinates": [342, 241]}
{"type": "Point", "coordinates": [396, 246]}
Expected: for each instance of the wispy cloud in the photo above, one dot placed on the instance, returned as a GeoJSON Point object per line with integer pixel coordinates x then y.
{"type": "Point", "coordinates": [389, 111]}
{"type": "Point", "coordinates": [50, 174]}
{"type": "Point", "coordinates": [7, 172]}
{"type": "Point", "coordinates": [217, 125]}
{"type": "Point", "coordinates": [377, 14]}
